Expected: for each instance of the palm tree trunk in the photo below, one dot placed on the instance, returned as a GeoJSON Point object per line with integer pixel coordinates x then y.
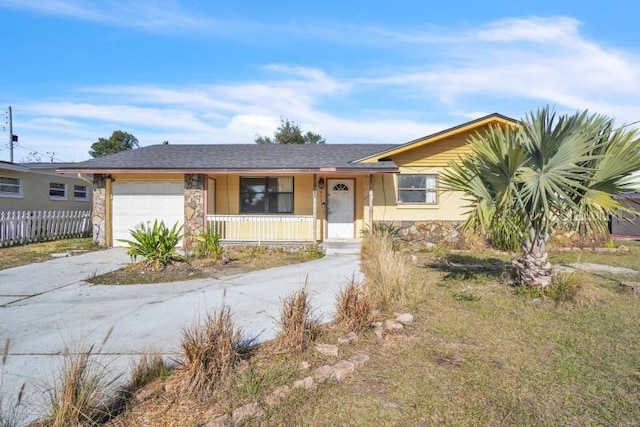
{"type": "Point", "coordinates": [533, 268]}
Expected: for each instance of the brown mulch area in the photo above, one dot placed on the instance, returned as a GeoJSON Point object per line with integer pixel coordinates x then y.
{"type": "Point", "coordinates": [233, 262]}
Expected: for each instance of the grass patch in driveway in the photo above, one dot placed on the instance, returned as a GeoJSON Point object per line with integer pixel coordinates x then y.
{"type": "Point", "coordinates": [237, 260]}
{"type": "Point", "coordinates": [15, 256]}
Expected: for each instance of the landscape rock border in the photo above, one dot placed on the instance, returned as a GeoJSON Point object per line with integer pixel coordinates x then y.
{"type": "Point", "coordinates": [325, 373]}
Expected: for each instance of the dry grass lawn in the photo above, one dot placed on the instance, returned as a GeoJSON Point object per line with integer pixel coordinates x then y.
{"type": "Point", "coordinates": [15, 256]}
{"type": "Point", "coordinates": [480, 352]}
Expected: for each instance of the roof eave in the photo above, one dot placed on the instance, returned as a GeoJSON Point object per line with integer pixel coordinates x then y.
{"type": "Point", "coordinates": [251, 171]}
{"type": "Point", "coordinates": [481, 121]}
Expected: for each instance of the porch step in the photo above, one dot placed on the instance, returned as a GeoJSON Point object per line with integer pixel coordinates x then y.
{"type": "Point", "coordinates": [332, 247]}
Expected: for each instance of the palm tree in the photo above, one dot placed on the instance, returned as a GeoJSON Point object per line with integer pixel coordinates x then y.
{"type": "Point", "coordinates": [549, 171]}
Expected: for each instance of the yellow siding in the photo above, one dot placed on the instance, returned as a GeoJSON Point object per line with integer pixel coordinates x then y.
{"type": "Point", "coordinates": [227, 195]}
{"type": "Point", "coordinates": [362, 203]}
{"type": "Point", "coordinates": [303, 195]}
{"type": "Point", "coordinates": [437, 154]}
{"type": "Point", "coordinates": [450, 206]}
{"type": "Point", "coordinates": [431, 158]}
{"type": "Point", "coordinates": [211, 195]}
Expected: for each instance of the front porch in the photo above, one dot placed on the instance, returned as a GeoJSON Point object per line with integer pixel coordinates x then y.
{"type": "Point", "coordinates": [300, 208]}
{"type": "Point", "coordinates": [263, 228]}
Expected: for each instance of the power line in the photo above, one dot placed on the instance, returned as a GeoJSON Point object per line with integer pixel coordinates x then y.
{"type": "Point", "coordinates": [34, 151]}
{"type": "Point", "coordinates": [629, 124]}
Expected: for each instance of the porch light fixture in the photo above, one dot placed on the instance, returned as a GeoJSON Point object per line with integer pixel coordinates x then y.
{"type": "Point", "coordinates": [321, 183]}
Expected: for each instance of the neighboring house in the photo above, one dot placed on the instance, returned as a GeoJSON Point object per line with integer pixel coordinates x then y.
{"type": "Point", "coordinates": [627, 224]}
{"type": "Point", "coordinates": [275, 193]}
{"type": "Point", "coordinates": [37, 186]}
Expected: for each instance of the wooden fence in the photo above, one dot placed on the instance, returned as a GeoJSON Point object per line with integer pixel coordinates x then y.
{"type": "Point", "coordinates": [21, 227]}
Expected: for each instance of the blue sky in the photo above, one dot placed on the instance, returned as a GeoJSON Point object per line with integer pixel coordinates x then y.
{"type": "Point", "coordinates": [354, 71]}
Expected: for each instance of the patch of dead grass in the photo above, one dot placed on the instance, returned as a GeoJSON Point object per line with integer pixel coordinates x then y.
{"type": "Point", "coordinates": [210, 350]}
{"type": "Point", "coordinates": [387, 271]}
{"type": "Point", "coordinates": [298, 325]}
{"type": "Point", "coordinates": [15, 256]}
{"type": "Point", "coordinates": [353, 307]}
{"type": "Point", "coordinates": [81, 393]}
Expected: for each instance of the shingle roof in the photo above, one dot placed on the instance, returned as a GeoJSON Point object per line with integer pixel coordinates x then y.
{"type": "Point", "coordinates": [12, 166]}
{"type": "Point", "coordinates": [48, 165]}
{"type": "Point", "coordinates": [240, 156]}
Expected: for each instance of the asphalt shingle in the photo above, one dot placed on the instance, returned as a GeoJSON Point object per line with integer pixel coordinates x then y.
{"type": "Point", "coordinates": [242, 156]}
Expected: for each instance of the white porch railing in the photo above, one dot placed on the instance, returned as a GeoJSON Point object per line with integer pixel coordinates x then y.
{"type": "Point", "coordinates": [262, 228]}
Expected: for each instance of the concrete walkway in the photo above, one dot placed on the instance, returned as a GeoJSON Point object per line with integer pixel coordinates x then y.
{"type": "Point", "coordinates": [47, 306]}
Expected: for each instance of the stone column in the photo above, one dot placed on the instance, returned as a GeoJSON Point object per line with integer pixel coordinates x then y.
{"type": "Point", "coordinates": [99, 215]}
{"type": "Point", "coordinates": [194, 208]}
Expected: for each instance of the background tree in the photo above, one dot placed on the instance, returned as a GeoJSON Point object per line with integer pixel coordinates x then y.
{"type": "Point", "coordinates": [118, 141]}
{"type": "Point", "coordinates": [549, 172]}
{"type": "Point", "coordinates": [290, 133]}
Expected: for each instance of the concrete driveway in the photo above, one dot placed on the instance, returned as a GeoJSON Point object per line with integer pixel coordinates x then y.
{"type": "Point", "coordinates": [47, 306]}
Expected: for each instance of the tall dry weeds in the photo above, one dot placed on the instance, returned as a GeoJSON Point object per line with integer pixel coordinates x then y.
{"type": "Point", "coordinates": [81, 391]}
{"type": "Point", "coordinates": [387, 272]}
{"type": "Point", "coordinates": [298, 324]}
{"type": "Point", "coordinates": [12, 411]}
{"type": "Point", "coordinates": [353, 307]}
{"type": "Point", "coordinates": [147, 368]}
{"type": "Point", "coordinates": [210, 351]}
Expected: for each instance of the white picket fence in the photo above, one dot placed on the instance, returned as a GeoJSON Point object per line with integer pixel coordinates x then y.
{"type": "Point", "coordinates": [21, 227]}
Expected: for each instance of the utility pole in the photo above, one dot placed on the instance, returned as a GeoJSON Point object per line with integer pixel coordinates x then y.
{"type": "Point", "coordinates": [12, 138]}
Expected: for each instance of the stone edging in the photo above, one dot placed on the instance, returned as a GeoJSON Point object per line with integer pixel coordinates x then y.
{"type": "Point", "coordinates": [588, 249]}
{"type": "Point", "coordinates": [323, 374]}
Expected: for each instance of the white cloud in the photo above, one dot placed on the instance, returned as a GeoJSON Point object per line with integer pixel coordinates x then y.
{"type": "Point", "coordinates": [543, 60]}
{"type": "Point", "coordinates": [527, 62]}
{"type": "Point", "coordinates": [232, 113]}
{"type": "Point", "coordinates": [153, 16]}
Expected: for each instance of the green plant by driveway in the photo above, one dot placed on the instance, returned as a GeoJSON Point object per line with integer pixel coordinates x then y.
{"type": "Point", "coordinates": [157, 244]}
{"type": "Point", "coordinates": [209, 245]}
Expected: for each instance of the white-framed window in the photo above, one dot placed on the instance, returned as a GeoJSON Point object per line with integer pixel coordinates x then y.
{"type": "Point", "coordinates": [57, 191]}
{"type": "Point", "coordinates": [418, 189]}
{"type": "Point", "coordinates": [10, 186]}
{"type": "Point", "coordinates": [80, 192]}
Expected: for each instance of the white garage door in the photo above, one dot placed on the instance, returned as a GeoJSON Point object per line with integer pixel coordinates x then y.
{"type": "Point", "coordinates": [143, 202]}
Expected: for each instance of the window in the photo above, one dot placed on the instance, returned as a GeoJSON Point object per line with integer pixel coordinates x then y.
{"type": "Point", "coordinates": [10, 187]}
{"type": "Point", "coordinates": [57, 191]}
{"type": "Point", "coordinates": [417, 189]}
{"type": "Point", "coordinates": [80, 192]}
{"type": "Point", "coordinates": [272, 195]}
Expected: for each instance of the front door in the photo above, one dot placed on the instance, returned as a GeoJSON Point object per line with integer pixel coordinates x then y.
{"type": "Point", "coordinates": [340, 208]}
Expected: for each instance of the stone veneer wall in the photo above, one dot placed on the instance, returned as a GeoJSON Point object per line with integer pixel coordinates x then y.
{"type": "Point", "coordinates": [427, 234]}
{"type": "Point", "coordinates": [194, 208]}
{"type": "Point", "coordinates": [421, 234]}
{"type": "Point", "coordinates": [99, 216]}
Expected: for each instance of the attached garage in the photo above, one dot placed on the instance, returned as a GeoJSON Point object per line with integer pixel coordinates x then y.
{"type": "Point", "coordinates": [136, 202]}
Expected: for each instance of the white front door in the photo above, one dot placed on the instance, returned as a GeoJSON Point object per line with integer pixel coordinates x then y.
{"type": "Point", "coordinates": [340, 208]}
